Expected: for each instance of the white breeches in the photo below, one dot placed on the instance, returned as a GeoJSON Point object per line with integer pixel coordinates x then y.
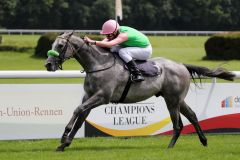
{"type": "Point", "coordinates": [129, 53]}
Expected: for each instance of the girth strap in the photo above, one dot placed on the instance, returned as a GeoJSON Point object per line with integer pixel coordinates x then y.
{"type": "Point", "coordinates": [126, 89]}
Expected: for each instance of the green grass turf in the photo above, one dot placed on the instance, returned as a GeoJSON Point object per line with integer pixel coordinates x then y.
{"type": "Point", "coordinates": [136, 148]}
{"type": "Point", "coordinates": [20, 40]}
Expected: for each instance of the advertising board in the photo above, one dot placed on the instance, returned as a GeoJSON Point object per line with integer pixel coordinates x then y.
{"type": "Point", "coordinates": [38, 111]}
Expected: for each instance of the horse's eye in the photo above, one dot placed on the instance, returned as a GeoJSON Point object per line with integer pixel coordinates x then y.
{"type": "Point", "coordinates": [60, 46]}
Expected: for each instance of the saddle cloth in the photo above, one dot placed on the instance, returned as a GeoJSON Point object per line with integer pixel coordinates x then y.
{"type": "Point", "coordinates": [148, 68]}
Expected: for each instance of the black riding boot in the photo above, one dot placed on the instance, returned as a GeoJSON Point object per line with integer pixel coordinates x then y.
{"type": "Point", "coordinates": [136, 74]}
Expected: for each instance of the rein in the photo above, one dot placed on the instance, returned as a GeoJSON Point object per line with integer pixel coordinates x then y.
{"type": "Point", "coordinates": [103, 69]}
{"type": "Point", "coordinates": [77, 52]}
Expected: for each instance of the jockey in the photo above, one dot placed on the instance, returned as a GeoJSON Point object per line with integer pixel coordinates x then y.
{"type": "Point", "coordinates": [128, 42]}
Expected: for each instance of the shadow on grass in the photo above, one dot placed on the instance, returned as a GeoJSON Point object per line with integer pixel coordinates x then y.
{"type": "Point", "coordinates": [20, 150]}
{"type": "Point", "coordinates": [79, 148]}
{"type": "Point", "coordinates": [111, 148]}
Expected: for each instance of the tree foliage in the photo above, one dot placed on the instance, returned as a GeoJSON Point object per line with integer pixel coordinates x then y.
{"type": "Point", "coordinates": [141, 14]}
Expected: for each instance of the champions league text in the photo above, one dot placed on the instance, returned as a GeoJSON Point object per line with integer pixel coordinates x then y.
{"type": "Point", "coordinates": [130, 114]}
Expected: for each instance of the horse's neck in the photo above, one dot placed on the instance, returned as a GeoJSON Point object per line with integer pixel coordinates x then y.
{"type": "Point", "coordinates": [92, 57]}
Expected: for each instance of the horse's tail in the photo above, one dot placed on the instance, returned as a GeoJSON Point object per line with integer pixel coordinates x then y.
{"type": "Point", "coordinates": [205, 72]}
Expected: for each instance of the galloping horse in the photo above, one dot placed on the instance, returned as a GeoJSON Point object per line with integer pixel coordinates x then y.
{"type": "Point", "coordinates": [106, 78]}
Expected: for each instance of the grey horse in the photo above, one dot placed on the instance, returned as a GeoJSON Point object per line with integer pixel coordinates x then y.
{"type": "Point", "coordinates": [106, 79]}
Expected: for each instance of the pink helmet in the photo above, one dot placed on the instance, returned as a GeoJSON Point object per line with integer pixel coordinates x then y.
{"type": "Point", "coordinates": [109, 27]}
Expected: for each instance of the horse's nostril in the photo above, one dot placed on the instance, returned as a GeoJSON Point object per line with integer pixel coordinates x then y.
{"type": "Point", "coordinates": [48, 67]}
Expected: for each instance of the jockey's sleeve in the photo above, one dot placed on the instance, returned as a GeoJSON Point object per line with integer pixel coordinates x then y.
{"type": "Point", "coordinates": [121, 38]}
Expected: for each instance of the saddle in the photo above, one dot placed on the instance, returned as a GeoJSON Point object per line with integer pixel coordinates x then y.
{"type": "Point", "coordinates": [148, 68]}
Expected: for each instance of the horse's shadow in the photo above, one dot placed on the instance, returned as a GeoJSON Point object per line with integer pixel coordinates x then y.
{"type": "Point", "coordinates": [117, 146]}
{"type": "Point", "coordinates": [107, 148]}
{"type": "Point", "coordinates": [78, 147]}
{"type": "Point", "coordinates": [20, 150]}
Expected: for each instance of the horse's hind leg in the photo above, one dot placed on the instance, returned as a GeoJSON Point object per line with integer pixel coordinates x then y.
{"type": "Point", "coordinates": [174, 110]}
{"type": "Point", "coordinates": [191, 116]}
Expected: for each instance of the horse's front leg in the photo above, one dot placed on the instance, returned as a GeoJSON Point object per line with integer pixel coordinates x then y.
{"type": "Point", "coordinates": [67, 138]}
{"type": "Point", "coordinates": [78, 121]}
{"type": "Point", "coordinates": [82, 110]}
{"type": "Point", "coordinates": [69, 134]}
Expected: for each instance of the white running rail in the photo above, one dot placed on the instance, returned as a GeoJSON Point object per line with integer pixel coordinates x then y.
{"type": "Point", "coordinates": [57, 74]}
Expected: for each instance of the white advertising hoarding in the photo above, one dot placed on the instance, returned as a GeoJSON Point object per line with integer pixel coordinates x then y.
{"type": "Point", "coordinates": [29, 111]}
{"type": "Point", "coordinates": [217, 107]}
{"type": "Point", "coordinates": [36, 111]}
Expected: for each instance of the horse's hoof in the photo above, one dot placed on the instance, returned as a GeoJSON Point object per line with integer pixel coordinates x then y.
{"type": "Point", "coordinates": [171, 144]}
{"type": "Point", "coordinates": [66, 141]}
{"type": "Point", "coordinates": [169, 147]}
{"type": "Point", "coordinates": [60, 149]}
{"type": "Point", "coordinates": [204, 142]}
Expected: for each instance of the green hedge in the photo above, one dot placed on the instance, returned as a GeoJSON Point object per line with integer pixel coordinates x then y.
{"type": "Point", "coordinates": [225, 46]}
{"type": "Point", "coordinates": [44, 44]}
{"type": "Point", "coordinates": [14, 48]}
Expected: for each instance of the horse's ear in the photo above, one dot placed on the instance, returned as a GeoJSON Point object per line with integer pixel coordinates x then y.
{"type": "Point", "coordinates": [69, 34]}
{"type": "Point", "coordinates": [61, 33]}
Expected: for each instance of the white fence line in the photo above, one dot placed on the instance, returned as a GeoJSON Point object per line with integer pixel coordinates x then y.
{"type": "Point", "coordinates": [165, 33]}
{"type": "Point", "coordinates": [42, 74]}
{"type": "Point", "coordinates": [57, 74]}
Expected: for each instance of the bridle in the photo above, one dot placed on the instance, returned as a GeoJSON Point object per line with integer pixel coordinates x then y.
{"type": "Point", "coordinates": [69, 43]}
{"type": "Point", "coordinates": [65, 47]}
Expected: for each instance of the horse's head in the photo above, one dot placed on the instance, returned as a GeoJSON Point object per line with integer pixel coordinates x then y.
{"type": "Point", "coordinates": [62, 49]}
{"type": "Point", "coordinates": [67, 46]}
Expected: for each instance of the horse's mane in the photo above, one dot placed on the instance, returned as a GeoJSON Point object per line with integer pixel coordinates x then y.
{"type": "Point", "coordinates": [102, 50]}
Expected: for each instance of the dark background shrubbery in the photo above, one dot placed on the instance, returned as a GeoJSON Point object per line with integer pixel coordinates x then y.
{"type": "Point", "coordinates": [44, 44]}
{"type": "Point", "coordinates": [224, 46]}
{"type": "Point", "coordinates": [14, 48]}
{"type": "Point", "coordinates": [194, 15]}
{"type": "Point", "coordinates": [96, 37]}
